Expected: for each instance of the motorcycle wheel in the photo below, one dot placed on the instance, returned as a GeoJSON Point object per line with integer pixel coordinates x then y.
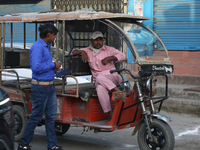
{"type": "Point", "coordinates": [162, 135]}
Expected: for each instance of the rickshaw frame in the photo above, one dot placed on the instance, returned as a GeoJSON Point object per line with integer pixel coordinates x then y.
{"type": "Point", "coordinates": [135, 101]}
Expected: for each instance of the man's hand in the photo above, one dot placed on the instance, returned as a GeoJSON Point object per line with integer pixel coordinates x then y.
{"type": "Point", "coordinates": [84, 56]}
{"type": "Point", "coordinates": [57, 65]}
{"type": "Point", "coordinates": [106, 60]}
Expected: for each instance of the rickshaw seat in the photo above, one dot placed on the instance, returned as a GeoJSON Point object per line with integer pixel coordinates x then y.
{"type": "Point", "coordinates": [10, 84]}
{"type": "Point", "coordinates": [22, 84]}
{"type": "Point", "coordinates": [86, 93]}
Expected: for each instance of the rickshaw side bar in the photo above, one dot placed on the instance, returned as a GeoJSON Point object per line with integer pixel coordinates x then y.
{"type": "Point", "coordinates": [159, 108]}
{"type": "Point", "coordinates": [120, 112]}
{"type": "Point", "coordinates": [77, 87]}
{"type": "Point", "coordinates": [133, 118]}
{"type": "Point", "coordinates": [24, 35]}
{"type": "Point", "coordinates": [11, 36]}
{"type": "Point", "coordinates": [131, 106]}
{"type": "Point", "coordinates": [161, 99]}
{"type": "Point", "coordinates": [166, 92]}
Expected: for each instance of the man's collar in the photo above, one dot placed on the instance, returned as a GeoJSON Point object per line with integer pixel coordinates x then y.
{"type": "Point", "coordinates": [103, 47]}
{"type": "Point", "coordinates": [43, 43]}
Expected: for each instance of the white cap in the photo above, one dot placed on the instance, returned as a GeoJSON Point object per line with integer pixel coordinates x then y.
{"type": "Point", "coordinates": [96, 34]}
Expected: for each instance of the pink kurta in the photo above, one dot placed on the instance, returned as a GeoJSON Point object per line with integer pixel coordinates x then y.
{"type": "Point", "coordinates": [102, 77]}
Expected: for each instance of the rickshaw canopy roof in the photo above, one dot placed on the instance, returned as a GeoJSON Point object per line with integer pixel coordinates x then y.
{"type": "Point", "coordinates": [54, 15]}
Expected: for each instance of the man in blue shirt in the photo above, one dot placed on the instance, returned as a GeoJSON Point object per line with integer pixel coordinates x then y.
{"type": "Point", "coordinates": [43, 91]}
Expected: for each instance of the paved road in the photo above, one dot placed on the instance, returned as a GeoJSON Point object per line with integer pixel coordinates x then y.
{"type": "Point", "coordinates": [186, 130]}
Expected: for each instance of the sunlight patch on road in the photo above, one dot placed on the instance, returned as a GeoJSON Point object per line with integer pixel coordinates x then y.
{"type": "Point", "coordinates": [195, 131]}
{"type": "Point", "coordinates": [130, 146]}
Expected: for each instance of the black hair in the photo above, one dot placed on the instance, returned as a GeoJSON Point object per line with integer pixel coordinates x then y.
{"type": "Point", "coordinates": [47, 28]}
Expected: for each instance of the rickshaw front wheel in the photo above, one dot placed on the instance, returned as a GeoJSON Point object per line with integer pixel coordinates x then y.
{"type": "Point", "coordinates": [162, 135]}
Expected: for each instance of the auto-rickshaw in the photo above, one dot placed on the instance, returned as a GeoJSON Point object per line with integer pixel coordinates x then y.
{"type": "Point", "coordinates": [77, 104]}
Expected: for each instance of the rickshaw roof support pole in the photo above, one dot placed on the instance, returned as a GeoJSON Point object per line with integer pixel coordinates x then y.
{"type": "Point", "coordinates": [11, 36]}
{"type": "Point", "coordinates": [24, 35]}
{"type": "Point", "coordinates": [57, 43]}
{"type": "Point", "coordinates": [63, 64]}
{"type": "Point", "coordinates": [64, 47]}
{"type": "Point", "coordinates": [2, 50]}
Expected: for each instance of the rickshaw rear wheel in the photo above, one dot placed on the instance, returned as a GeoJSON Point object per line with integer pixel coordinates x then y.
{"type": "Point", "coordinates": [20, 121]}
{"type": "Point", "coordinates": [162, 134]}
{"type": "Point", "coordinates": [65, 128]}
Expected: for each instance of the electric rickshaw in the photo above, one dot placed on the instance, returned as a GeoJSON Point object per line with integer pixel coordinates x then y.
{"type": "Point", "coordinates": [136, 105]}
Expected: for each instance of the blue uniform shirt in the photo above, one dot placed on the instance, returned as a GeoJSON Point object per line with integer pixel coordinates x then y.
{"type": "Point", "coordinates": [41, 62]}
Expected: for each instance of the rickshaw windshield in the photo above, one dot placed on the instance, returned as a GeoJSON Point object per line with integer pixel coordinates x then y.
{"type": "Point", "coordinates": [147, 44]}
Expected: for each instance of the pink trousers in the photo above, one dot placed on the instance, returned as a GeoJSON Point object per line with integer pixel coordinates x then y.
{"type": "Point", "coordinates": [106, 82]}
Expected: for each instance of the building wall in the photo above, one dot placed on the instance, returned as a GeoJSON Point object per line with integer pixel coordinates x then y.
{"type": "Point", "coordinates": [177, 22]}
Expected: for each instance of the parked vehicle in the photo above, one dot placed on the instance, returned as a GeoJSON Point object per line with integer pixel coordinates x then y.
{"type": "Point", "coordinates": [77, 104]}
{"type": "Point", "coordinates": [7, 124]}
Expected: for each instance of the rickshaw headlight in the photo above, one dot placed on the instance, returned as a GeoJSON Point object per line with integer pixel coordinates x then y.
{"type": "Point", "coordinates": [153, 84]}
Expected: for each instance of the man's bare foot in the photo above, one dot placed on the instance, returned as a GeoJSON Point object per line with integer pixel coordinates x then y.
{"type": "Point", "coordinates": [116, 89]}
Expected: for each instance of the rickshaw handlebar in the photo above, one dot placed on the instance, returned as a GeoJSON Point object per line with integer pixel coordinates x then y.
{"type": "Point", "coordinates": [117, 70]}
{"type": "Point", "coordinates": [123, 69]}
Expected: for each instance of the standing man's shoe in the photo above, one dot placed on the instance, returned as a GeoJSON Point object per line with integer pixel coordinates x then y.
{"type": "Point", "coordinates": [25, 147]}
{"type": "Point", "coordinates": [56, 148]}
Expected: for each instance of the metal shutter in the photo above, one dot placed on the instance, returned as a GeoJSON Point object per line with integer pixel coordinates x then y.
{"type": "Point", "coordinates": [22, 6]}
{"type": "Point", "coordinates": [177, 22]}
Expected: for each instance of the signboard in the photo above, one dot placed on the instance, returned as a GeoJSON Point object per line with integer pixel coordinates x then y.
{"type": "Point", "coordinates": [138, 7]}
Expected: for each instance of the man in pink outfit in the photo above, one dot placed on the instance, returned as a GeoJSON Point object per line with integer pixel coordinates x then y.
{"type": "Point", "coordinates": [100, 58]}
